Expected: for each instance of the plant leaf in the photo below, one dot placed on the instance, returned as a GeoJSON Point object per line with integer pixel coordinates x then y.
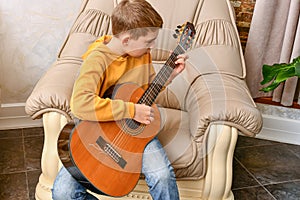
{"type": "Point", "coordinates": [277, 73]}
{"type": "Point", "coordinates": [271, 87]}
{"type": "Point", "coordinates": [269, 73]}
{"type": "Point", "coordinates": [297, 66]}
{"type": "Point", "coordinates": [285, 74]}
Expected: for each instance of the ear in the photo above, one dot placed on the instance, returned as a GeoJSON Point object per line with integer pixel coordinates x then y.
{"type": "Point", "coordinates": [125, 39]}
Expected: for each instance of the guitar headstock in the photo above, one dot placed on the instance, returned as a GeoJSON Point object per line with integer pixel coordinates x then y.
{"type": "Point", "coordinates": [185, 34]}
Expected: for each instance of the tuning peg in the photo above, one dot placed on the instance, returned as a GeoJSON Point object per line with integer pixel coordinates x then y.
{"type": "Point", "coordinates": [175, 35]}
{"type": "Point", "coordinates": [179, 26]}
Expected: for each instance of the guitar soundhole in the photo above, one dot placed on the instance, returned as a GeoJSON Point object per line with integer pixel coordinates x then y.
{"type": "Point", "coordinates": [132, 127]}
{"type": "Point", "coordinates": [132, 124]}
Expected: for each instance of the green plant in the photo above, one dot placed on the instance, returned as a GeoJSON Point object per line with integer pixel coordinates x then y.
{"type": "Point", "coordinates": [277, 73]}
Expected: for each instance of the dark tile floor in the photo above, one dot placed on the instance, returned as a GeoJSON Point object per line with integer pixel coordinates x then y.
{"type": "Point", "coordinates": [263, 169]}
{"type": "Point", "coordinates": [266, 170]}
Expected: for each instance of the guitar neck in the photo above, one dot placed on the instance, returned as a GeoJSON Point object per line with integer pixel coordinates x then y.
{"type": "Point", "coordinates": [161, 78]}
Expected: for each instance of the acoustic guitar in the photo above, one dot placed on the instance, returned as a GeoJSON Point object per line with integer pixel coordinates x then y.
{"type": "Point", "coordinates": [106, 157]}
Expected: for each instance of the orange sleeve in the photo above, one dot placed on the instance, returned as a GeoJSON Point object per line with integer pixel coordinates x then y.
{"type": "Point", "coordinates": [85, 101]}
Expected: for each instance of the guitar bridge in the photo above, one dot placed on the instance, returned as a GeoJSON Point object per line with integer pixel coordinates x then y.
{"type": "Point", "coordinates": [111, 152]}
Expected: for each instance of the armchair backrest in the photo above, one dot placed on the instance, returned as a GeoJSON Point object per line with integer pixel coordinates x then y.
{"type": "Point", "coordinates": [220, 49]}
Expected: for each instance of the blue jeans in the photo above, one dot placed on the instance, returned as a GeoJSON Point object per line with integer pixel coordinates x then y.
{"type": "Point", "coordinates": [156, 167]}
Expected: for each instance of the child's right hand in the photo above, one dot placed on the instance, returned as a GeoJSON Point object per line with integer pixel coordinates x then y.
{"type": "Point", "coordinates": [143, 113]}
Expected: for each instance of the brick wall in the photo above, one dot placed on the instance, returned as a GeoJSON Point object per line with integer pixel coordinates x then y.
{"type": "Point", "coordinates": [244, 11]}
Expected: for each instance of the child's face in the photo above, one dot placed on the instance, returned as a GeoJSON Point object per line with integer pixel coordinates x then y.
{"type": "Point", "coordinates": [140, 46]}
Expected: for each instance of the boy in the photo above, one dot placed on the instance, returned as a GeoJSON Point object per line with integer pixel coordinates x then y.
{"type": "Point", "coordinates": [111, 60]}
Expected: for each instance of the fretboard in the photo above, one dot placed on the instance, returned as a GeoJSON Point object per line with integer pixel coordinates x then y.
{"type": "Point", "coordinates": [161, 78]}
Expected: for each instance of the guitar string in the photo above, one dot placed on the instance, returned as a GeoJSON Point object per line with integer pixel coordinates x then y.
{"type": "Point", "coordinates": [118, 140]}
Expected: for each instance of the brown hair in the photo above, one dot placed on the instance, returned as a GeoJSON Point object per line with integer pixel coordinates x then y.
{"type": "Point", "coordinates": [136, 17]}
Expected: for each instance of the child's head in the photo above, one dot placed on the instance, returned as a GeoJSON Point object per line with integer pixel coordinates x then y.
{"type": "Point", "coordinates": [137, 17]}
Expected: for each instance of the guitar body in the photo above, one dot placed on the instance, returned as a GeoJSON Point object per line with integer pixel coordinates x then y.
{"type": "Point", "coordinates": [106, 157]}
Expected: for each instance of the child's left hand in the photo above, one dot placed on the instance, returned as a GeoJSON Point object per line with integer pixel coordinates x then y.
{"type": "Point", "coordinates": [180, 66]}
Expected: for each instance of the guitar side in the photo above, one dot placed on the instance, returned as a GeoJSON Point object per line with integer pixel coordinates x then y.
{"type": "Point", "coordinates": [108, 155]}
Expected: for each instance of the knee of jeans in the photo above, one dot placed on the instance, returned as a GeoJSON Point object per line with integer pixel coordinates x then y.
{"type": "Point", "coordinates": [163, 176]}
{"type": "Point", "coordinates": [167, 174]}
{"type": "Point", "coordinates": [68, 191]}
{"type": "Point", "coordinates": [58, 194]}
{"type": "Point", "coordinates": [64, 191]}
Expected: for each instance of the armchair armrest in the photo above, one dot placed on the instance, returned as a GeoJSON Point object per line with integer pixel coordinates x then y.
{"type": "Point", "coordinates": [221, 99]}
{"type": "Point", "coordinates": [53, 91]}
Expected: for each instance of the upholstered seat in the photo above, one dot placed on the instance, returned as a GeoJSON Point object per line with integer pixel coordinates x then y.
{"type": "Point", "coordinates": [202, 111]}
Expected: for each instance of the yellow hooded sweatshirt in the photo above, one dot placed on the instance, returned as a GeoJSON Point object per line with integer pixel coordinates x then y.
{"type": "Point", "coordinates": [100, 70]}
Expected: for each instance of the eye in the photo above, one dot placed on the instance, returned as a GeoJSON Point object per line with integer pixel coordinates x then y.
{"type": "Point", "coordinates": [149, 43]}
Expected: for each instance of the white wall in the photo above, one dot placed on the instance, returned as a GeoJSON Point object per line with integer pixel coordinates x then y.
{"type": "Point", "coordinates": [31, 33]}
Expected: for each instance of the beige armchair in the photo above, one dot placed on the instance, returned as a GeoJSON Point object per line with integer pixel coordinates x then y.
{"type": "Point", "coordinates": [202, 110]}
